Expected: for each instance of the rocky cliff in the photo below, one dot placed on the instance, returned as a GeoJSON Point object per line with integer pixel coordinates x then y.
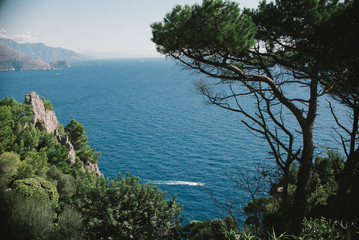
{"type": "Point", "coordinates": [45, 120]}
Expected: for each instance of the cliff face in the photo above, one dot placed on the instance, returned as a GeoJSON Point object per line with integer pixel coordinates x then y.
{"type": "Point", "coordinates": [45, 120]}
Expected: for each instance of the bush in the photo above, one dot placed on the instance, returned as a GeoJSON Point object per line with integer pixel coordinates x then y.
{"type": "Point", "coordinates": [26, 218]}
{"type": "Point", "coordinates": [217, 229]}
{"type": "Point", "coordinates": [47, 104]}
{"type": "Point", "coordinates": [63, 182]}
{"type": "Point", "coordinates": [329, 229]}
{"type": "Point", "coordinates": [70, 224]}
{"type": "Point", "coordinates": [76, 132]}
{"type": "Point", "coordinates": [125, 209]}
{"type": "Point", "coordinates": [9, 162]}
{"type": "Point", "coordinates": [36, 187]}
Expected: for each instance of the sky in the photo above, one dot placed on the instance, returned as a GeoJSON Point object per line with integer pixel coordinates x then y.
{"type": "Point", "coordinates": [98, 28]}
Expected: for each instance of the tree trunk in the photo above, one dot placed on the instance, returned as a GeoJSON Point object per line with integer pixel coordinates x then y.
{"type": "Point", "coordinates": [303, 183]}
{"type": "Point", "coordinates": [346, 203]}
{"type": "Point", "coordinates": [284, 205]}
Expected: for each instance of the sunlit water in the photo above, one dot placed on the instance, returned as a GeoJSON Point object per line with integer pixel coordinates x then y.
{"type": "Point", "coordinates": [145, 117]}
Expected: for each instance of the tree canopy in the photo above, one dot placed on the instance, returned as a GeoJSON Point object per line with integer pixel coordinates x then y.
{"type": "Point", "coordinates": [76, 132]}
{"type": "Point", "coordinates": [263, 53]}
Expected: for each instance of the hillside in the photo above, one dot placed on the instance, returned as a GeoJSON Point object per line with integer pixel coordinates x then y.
{"type": "Point", "coordinates": [51, 188]}
{"type": "Point", "coordinates": [41, 51]}
{"type": "Point", "coordinates": [12, 60]}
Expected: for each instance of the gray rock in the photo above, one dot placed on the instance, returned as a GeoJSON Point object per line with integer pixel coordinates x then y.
{"type": "Point", "coordinates": [45, 120]}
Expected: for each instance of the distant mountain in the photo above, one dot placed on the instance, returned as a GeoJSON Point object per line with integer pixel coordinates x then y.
{"type": "Point", "coordinates": [43, 52]}
{"type": "Point", "coordinates": [13, 60]}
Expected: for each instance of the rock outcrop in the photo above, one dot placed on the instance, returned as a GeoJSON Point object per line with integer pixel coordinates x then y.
{"type": "Point", "coordinates": [45, 120]}
{"type": "Point", "coordinates": [65, 140]}
{"type": "Point", "coordinates": [60, 64]}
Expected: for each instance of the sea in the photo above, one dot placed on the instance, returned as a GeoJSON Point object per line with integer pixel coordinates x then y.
{"type": "Point", "coordinates": [146, 118]}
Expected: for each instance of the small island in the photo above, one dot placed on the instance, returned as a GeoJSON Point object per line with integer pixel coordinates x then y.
{"type": "Point", "coordinates": [60, 64]}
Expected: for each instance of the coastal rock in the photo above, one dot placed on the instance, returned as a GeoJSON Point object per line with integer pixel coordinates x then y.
{"type": "Point", "coordinates": [92, 168]}
{"type": "Point", "coordinates": [45, 120]}
{"type": "Point", "coordinates": [65, 140]}
{"type": "Point", "coordinates": [60, 64]}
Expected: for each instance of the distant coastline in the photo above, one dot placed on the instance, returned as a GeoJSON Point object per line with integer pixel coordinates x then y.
{"type": "Point", "coordinates": [16, 56]}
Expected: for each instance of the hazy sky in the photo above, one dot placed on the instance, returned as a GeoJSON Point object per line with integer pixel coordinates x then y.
{"type": "Point", "coordinates": [100, 28]}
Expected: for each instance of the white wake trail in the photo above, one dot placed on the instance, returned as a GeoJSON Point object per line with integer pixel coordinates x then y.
{"type": "Point", "coordinates": [173, 182]}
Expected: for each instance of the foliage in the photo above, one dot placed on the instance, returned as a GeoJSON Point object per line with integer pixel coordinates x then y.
{"type": "Point", "coordinates": [47, 104]}
{"type": "Point", "coordinates": [313, 229]}
{"type": "Point", "coordinates": [280, 48]}
{"type": "Point", "coordinates": [327, 229]}
{"type": "Point", "coordinates": [340, 69]}
{"type": "Point", "coordinates": [125, 209]}
{"type": "Point", "coordinates": [35, 163]}
{"type": "Point", "coordinates": [63, 182]}
{"type": "Point", "coordinates": [13, 117]}
{"type": "Point", "coordinates": [76, 132]}
{"type": "Point", "coordinates": [61, 129]}
{"type": "Point", "coordinates": [57, 153]}
{"type": "Point", "coordinates": [340, 79]}
{"type": "Point", "coordinates": [36, 187]}
{"type": "Point", "coordinates": [37, 149]}
{"type": "Point", "coordinates": [118, 209]}
{"type": "Point", "coordinates": [70, 224]}
{"type": "Point", "coordinates": [215, 229]}
{"type": "Point", "coordinates": [26, 218]}
{"type": "Point", "coordinates": [267, 208]}
{"type": "Point", "coordinates": [326, 171]}
{"type": "Point", "coordinates": [9, 163]}
{"type": "Point", "coordinates": [218, 25]}
{"type": "Point", "coordinates": [248, 235]}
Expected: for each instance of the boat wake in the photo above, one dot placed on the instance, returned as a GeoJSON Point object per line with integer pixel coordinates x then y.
{"type": "Point", "coordinates": [172, 182]}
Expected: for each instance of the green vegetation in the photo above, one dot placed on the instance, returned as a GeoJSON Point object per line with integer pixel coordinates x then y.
{"type": "Point", "coordinates": [42, 196]}
{"type": "Point", "coordinates": [211, 230]}
{"type": "Point", "coordinates": [264, 53]}
{"type": "Point", "coordinates": [126, 209]}
{"type": "Point", "coordinates": [76, 132]}
{"type": "Point", "coordinates": [47, 104]}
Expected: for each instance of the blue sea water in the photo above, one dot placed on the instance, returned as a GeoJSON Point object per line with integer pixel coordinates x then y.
{"type": "Point", "coordinates": [145, 117]}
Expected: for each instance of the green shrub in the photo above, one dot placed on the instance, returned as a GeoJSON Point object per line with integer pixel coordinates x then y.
{"type": "Point", "coordinates": [329, 229]}
{"type": "Point", "coordinates": [36, 187]}
{"type": "Point", "coordinates": [63, 182]}
{"type": "Point", "coordinates": [9, 162]}
{"type": "Point", "coordinates": [47, 104]}
{"type": "Point", "coordinates": [13, 116]}
{"type": "Point", "coordinates": [35, 163]}
{"type": "Point", "coordinates": [125, 209]}
{"type": "Point", "coordinates": [70, 224]}
{"type": "Point", "coordinates": [76, 132]}
{"type": "Point", "coordinates": [26, 218]}
{"type": "Point", "coordinates": [216, 229]}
